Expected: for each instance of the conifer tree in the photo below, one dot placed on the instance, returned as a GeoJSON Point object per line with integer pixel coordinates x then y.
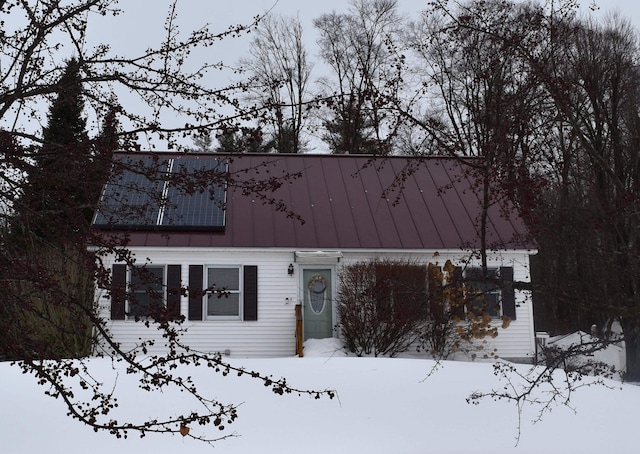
{"type": "Point", "coordinates": [66, 125]}
{"type": "Point", "coordinates": [55, 207]}
{"type": "Point", "coordinates": [203, 143]}
{"type": "Point", "coordinates": [109, 138]}
{"type": "Point", "coordinates": [105, 144]}
{"type": "Point", "coordinates": [56, 187]}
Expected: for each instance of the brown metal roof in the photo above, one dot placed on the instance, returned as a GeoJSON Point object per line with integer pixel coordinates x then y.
{"type": "Point", "coordinates": [353, 202]}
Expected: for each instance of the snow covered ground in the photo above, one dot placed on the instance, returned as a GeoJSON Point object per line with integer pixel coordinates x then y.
{"type": "Point", "coordinates": [383, 406]}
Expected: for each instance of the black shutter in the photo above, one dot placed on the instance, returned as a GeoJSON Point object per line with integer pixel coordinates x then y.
{"type": "Point", "coordinates": [196, 291]}
{"type": "Point", "coordinates": [435, 292]}
{"type": "Point", "coordinates": [250, 293]}
{"type": "Point", "coordinates": [507, 292]}
{"type": "Point", "coordinates": [174, 290]}
{"type": "Point", "coordinates": [456, 282]}
{"type": "Point", "coordinates": [457, 275]}
{"type": "Point", "coordinates": [118, 291]}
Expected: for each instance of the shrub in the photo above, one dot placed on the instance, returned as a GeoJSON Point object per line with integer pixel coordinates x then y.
{"type": "Point", "coordinates": [382, 305]}
{"type": "Point", "coordinates": [385, 306]}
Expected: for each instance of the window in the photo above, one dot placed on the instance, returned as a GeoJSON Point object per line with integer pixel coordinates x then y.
{"type": "Point", "coordinates": [317, 293]}
{"type": "Point", "coordinates": [147, 284]}
{"type": "Point", "coordinates": [214, 293]}
{"type": "Point", "coordinates": [223, 296]}
{"type": "Point", "coordinates": [152, 291]}
{"type": "Point", "coordinates": [484, 294]}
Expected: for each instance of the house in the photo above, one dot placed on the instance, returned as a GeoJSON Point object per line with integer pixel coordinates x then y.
{"type": "Point", "coordinates": [272, 250]}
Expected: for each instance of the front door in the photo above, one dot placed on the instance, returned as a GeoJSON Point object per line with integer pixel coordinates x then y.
{"type": "Point", "coordinates": [316, 299]}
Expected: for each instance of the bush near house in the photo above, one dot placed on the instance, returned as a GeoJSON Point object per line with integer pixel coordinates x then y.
{"type": "Point", "coordinates": [381, 305]}
{"type": "Point", "coordinates": [385, 306]}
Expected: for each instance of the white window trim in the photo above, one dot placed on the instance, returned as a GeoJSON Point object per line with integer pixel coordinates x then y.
{"type": "Point", "coordinates": [239, 292]}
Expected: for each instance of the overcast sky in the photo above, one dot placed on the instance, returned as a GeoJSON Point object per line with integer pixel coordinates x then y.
{"type": "Point", "coordinates": [144, 19]}
{"type": "Point", "coordinates": [141, 24]}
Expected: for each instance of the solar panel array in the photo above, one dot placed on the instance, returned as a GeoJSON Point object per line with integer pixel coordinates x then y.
{"type": "Point", "coordinates": [184, 192]}
{"type": "Point", "coordinates": [195, 205]}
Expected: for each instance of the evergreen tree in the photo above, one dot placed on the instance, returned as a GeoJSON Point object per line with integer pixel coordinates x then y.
{"type": "Point", "coordinates": [66, 125]}
{"type": "Point", "coordinates": [59, 180]}
{"type": "Point", "coordinates": [108, 141]}
{"type": "Point", "coordinates": [203, 142]}
{"type": "Point", "coordinates": [64, 177]}
{"type": "Point", "coordinates": [242, 140]}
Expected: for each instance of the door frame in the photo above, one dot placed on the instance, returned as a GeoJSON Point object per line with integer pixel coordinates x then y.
{"type": "Point", "coordinates": [302, 287]}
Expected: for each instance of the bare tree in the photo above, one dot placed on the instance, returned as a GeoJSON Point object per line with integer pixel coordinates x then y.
{"type": "Point", "coordinates": [359, 47]}
{"type": "Point", "coordinates": [160, 81]}
{"type": "Point", "coordinates": [476, 99]}
{"type": "Point", "coordinates": [279, 73]}
{"type": "Point", "coordinates": [572, 124]}
{"type": "Point", "coordinates": [593, 80]}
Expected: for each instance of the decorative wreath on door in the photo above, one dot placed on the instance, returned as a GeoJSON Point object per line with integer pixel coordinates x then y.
{"type": "Point", "coordinates": [317, 291]}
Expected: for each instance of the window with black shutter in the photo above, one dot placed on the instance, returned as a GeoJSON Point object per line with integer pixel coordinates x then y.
{"type": "Point", "coordinates": [223, 292]}
{"type": "Point", "coordinates": [145, 291]}
{"type": "Point", "coordinates": [491, 293]}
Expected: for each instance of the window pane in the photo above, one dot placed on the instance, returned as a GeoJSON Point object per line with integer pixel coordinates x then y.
{"type": "Point", "coordinates": [144, 304]}
{"type": "Point", "coordinates": [317, 293]}
{"type": "Point", "coordinates": [226, 304]}
{"type": "Point", "coordinates": [224, 278]}
{"type": "Point", "coordinates": [224, 285]}
{"type": "Point", "coordinates": [147, 278]}
{"type": "Point", "coordinates": [487, 300]}
{"type": "Point", "coordinates": [492, 304]}
{"type": "Point", "coordinates": [147, 287]}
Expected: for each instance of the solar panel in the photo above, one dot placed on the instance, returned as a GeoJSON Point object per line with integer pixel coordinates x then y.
{"type": "Point", "coordinates": [179, 193]}
{"type": "Point", "coordinates": [133, 194]}
{"type": "Point", "coordinates": [196, 201]}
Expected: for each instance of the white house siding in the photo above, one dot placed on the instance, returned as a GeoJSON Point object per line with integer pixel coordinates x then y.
{"type": "Point", "coordinates": [273, 334]}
